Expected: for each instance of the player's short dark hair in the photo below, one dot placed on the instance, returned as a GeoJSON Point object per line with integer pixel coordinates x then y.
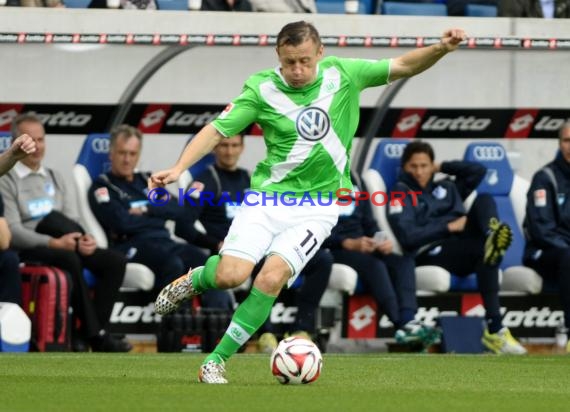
{"type": "Point", "coordinates": [414, 147]}
{"type": "Point", "coordinates": [564, 127]}
{"type": "Point", "coordinates": [293, 34]}
{"type": "Point", "coordinates": [126, 131]}
{"type": "Point", "coordinates": [22, 118]}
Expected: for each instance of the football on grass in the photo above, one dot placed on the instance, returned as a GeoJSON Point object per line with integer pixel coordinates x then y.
{"type": "Point", "coordinates": [296, 360]}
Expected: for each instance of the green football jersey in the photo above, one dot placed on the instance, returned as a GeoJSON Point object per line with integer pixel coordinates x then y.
{"type": "Point", "coordinates": [308, 131]}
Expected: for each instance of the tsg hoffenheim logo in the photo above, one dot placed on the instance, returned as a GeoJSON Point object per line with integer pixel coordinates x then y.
{"type": "Point", "coordinates": [313, 123]}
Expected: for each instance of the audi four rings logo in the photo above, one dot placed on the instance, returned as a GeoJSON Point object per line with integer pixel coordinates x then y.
{"type": "Point", "coordinates": [394, 150]}
{"type": "Point", "coordinates": [489, 153]}
{"type": "Point", "coordinates": [100, 145]}
{"type": "Point", "coordinates": [313, 124]}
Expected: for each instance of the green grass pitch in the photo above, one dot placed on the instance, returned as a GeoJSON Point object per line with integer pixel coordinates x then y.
{"type": "Point", "coordinates": [371, 382]}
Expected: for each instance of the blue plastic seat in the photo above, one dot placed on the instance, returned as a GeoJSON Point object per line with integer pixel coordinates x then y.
{"type": "Point", "coordinates": [76, 4]}
{"type": "Point", "coordinates": [413, 9]}
{"type": "Point", "coordinates": [509, 192]}
{"type": "Point", "coordinates": [480, 10]}
{"type": "Point", "coordinates": [337, 6]}
{"type": "Point", "coordinates": [172, 4]}
{"type": "Point", "coordinates": [93, 160]}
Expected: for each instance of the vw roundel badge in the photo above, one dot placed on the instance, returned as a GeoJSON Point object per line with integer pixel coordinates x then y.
{"type": "Point", "coordinates": [313, 124]}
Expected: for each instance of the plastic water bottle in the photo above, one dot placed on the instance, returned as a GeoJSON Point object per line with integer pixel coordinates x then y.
{"type": "Point", "coordinates": [561, 336]}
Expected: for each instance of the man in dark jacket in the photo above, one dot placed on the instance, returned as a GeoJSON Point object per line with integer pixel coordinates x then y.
{"type": "Point", "coordinates": [135, 226]}
{"type": "Point", "coordinates": [547, 223]}
{"type": "Point", "coordinates": [438, 229]}
{"type": "Point", "coordinates": [390, 279]}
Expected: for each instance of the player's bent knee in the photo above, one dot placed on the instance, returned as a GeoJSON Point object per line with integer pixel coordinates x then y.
{"type": "Point", "coordinates": [271, 282]}
{"type": "Point", "coordinates": [228, 277]}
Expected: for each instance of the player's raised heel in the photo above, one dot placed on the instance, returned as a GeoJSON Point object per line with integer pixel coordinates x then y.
{"type": "Point", "coordinates": [173, 294]}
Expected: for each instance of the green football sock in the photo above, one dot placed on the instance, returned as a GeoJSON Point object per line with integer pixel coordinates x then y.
{"type": "Point", "coordinates": [205, 278]}
{"type": "Point", "coordinates": [248, 317]}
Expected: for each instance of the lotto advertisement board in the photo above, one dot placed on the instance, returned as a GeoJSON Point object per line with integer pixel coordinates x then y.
{"type": "Point", "coordinates": [399, 122]}
{"type": "Point", "coordinates": [528, 316]}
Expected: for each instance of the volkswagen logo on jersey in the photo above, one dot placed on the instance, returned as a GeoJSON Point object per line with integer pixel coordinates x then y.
{"type": "Point", "coordinates": [313, 124]}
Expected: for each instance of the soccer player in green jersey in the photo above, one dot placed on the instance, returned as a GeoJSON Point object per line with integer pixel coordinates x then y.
{"type": "Point", "coordinates": [308, 108]}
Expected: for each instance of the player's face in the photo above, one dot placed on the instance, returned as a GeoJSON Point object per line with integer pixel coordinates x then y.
{"type": "Point", "coordinates": [228, 152]}
{"type": "Point", "coordinates": [565, 144]}
{"type": "Point", "coordinates": [37, 132]}
{"type": "Point", "coordinates": [420, 167]}
{"type": "Point", "coordinates": [124, 156]}
{"type": "Point", "coordinates": [299, 63]}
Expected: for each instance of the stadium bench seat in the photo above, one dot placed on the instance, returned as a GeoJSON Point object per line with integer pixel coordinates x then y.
{"type": "Point", "coordinates": [172, 4]}
{"type": "Point", "coordinates": [76, 4]}
{"type": "Point", "coordinates": [413, 9]}
{"type": "Point", "coordinates": [93, 160]}
{"type": "Point", "coordinates": [480, 10]}
{"type": "Point", "coordinates": [337, 6]}
{"type": "Point", "coordinates": [381, 175]}
{"type": "Point", "coordinates": [509, 192]}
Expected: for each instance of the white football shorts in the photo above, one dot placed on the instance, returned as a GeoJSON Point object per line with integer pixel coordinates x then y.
{"type": "Point", "coordinates": [295, 233]}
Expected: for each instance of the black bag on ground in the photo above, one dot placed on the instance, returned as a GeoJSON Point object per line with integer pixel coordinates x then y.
{"type": "Point", "coordinates": [192, 331]}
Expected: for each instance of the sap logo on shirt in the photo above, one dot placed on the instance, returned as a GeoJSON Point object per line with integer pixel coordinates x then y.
{"type": "Point", "coordinates": [313, 124]}
{"type": "Point", "coordinates": [489, 153]}
{"type": "Point", "coordinates": [39, 208]}
{"type": "Point", "coordinates": [394, 150]}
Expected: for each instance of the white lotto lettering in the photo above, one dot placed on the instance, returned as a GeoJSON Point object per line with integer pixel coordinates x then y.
{"type": "Point", "coordinates": [66, 119]}
{"type": "Point", "coordinates": [543, 318]}
{"type": "Point", "coordinates": [133, 314]}
{"type": "Point", "coordinates": [550, 124]}
{"type": "Point", "coordinates": [282, 314]}
{"type": "Point", "coordinates": [459, 123]}
{"type": "Point", "coordinates": [188, 119]}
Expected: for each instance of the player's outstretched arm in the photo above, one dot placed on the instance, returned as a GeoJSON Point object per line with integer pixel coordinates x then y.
{"type": "Point", "coordinates": [418, 60]}
{"type": "Point", "coordinates": [21, 147]}
{"type": "Point", "coordinates": [202, 144]}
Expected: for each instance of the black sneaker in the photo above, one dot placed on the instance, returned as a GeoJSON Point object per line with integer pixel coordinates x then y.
{"type": "Point", "coordinates": [108, 343]}
{"type": "Point", "coordinates": [79, 344]}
